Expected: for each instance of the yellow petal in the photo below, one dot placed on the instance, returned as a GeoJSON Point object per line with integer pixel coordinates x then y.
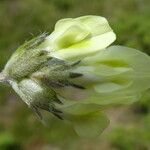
{"type": "Point", "coordinates": [85, 47]}
{"type": "Point", "coordinates": [95, 24]}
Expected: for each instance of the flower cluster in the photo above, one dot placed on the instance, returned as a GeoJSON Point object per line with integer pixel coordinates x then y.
{"type": "Point", "coordinates": [73, 74]}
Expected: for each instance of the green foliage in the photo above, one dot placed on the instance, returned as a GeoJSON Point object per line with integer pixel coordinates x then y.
{"type": "Point", "coordinates": [128, 139]}
{"type": "Point", "coordinates": [8, 142]}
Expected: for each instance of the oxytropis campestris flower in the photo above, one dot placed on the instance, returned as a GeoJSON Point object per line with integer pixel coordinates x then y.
{"type": "Point", "coordinates": [73, 74]}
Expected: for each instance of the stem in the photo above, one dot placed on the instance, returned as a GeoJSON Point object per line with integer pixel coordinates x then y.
{"type": "Point", "coordinates": [3, 78]}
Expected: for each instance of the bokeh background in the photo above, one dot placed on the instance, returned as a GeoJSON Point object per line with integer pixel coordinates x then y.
{"type": "Point", "coordinates": [21, 20]}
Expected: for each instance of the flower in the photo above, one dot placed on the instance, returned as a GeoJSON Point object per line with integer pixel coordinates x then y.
{"type": "Point", "coordinates": [79, 37]}
{"type": "Point", "coordinates": [73, 74]}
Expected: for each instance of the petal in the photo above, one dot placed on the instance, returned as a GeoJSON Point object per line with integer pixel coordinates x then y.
{"type": "Point", "coordinates": [110, 87]}
{"type": "Point", "coordinates": [97, 25]}
{"type": "Point", "coordinates": [101, 74]}
{"type": "Point", "coordinates": [65, 31]}
{"type": "Point", "coordinates": [88, 120]}
{"type": "Point", "coordinates": [76, 38]}
{"type": "Point", "coordinates": [72, 35]}
{"type": "Point", "coordinates": [115, 98]}
{"type": "Point", "coordinates": [85, 47]}
{"type": "Point", "coordinates": [90, 125]}
{"type": "Point", "coordinates": [138, 61]}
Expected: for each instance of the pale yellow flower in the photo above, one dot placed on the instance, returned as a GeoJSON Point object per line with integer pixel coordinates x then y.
{"type": "Point", "coordinates": [75, 38]}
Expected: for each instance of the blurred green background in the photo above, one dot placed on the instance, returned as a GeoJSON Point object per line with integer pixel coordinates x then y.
{"type": "Point", "coordinates": [22, 19]}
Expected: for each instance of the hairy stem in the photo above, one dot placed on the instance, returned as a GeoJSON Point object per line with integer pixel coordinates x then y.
{"type": "Point", "coordinates": [3, 78]}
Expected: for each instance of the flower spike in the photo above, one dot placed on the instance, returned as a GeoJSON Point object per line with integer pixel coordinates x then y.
{"type": "Point", "coordinates": [74, 74]}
